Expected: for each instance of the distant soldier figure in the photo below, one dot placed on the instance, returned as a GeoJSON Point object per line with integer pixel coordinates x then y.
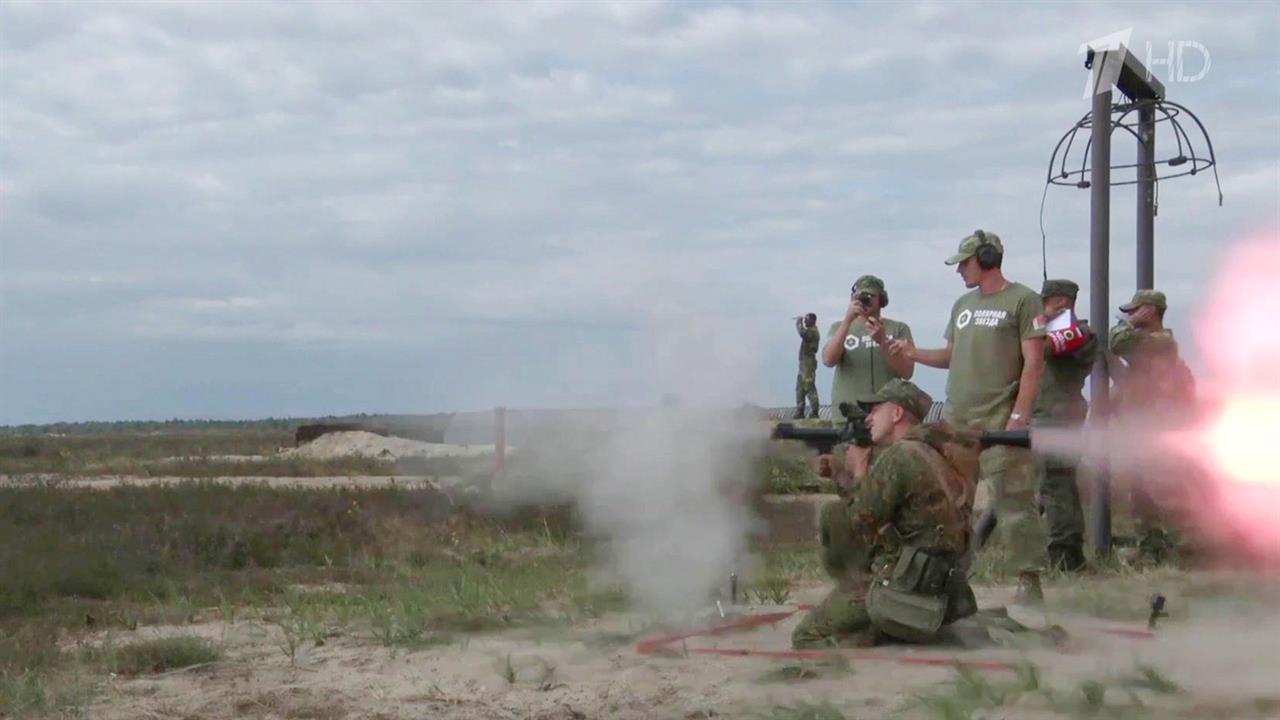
{"type": "Point", "coordinates": [806, 378]}
{"type": "Point", "coordinates": [895, 546]}
{"type": "Point", "coordinates": [858, 346]}
{"type": "Point", "coordinates": [1070, 349]}
{"type": "Point", "coordinates": [1154, 389]}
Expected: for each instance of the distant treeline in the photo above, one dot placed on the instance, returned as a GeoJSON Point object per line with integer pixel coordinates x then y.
{"type": "Point", "coordinates": [176, 425]}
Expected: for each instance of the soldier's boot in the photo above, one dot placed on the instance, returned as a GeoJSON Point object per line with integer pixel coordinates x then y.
{"type": "Point", "coordinates": [1155, 546]}
{"type": "Point", "coordinates": [1029, 591]}
{"type": "Point", "coordinates": [1066, 559]}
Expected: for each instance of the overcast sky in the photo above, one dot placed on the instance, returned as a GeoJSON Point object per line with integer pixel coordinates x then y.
{"type": "Point", "coordinates": [242, 209]}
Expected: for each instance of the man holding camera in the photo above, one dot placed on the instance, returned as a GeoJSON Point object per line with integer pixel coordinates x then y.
{"type": "Point", "coordinates": [994, 357]}
{"type": "Point", "coordinates": [806, 378]}
{"type": "Point", "coordinates": [895, 546]}
{"type": "Point", "coordinates": [857, 346]}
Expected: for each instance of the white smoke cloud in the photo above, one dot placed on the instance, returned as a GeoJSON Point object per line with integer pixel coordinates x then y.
{"type": "Point", "coordinates": [665, 487]}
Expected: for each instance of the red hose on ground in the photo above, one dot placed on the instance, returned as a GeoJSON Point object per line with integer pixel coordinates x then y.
{"type": "Point", "coordinates": [661, 645]}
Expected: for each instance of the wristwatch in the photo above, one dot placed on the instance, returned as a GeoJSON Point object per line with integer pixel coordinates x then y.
{"type": "Point", "coordinates": [1015, 416]}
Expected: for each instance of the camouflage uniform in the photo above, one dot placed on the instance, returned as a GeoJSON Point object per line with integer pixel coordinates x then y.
{"type": "Point", "coordinates": [1156, 385]}
{"type": "Point", "coordinates": [1061, 404]}
{"type": "Point", "coordinates": [912, 510]}
{"type": "Point", "coordinates": [806, 378]}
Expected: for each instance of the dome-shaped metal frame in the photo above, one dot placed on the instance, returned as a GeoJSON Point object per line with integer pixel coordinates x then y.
{"type": "Point", "coordinates": [1186, 161]}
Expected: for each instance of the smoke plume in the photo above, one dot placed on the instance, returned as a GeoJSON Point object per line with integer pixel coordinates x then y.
{"type": "Point", "coordinates": [663, 486]}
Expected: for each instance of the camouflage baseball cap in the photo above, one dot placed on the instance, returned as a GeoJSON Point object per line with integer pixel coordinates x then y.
{"type": "Point", "coordinates": [872, 284]}
{"type": "Point", "coordinates": [1059, 288]}
{"type": "Point", "coordinates": [969, 246]}
{"type": "Point", "coordinates": [900, 392]}
{"type": "Point", "coordinates": [1146, 297]}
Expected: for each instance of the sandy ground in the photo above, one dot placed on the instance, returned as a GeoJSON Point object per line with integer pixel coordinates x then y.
{"type": "Point", "coordinates": [348, 443]}
{"type": "Point", "coordinates": [1225, 655]}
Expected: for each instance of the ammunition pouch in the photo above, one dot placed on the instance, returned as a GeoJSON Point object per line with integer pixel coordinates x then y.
{"type": "Point", "coordinates": [917, 599]}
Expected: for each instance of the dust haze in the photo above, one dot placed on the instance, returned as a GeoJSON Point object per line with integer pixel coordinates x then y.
{"type": "Point", "coordinates": [666, 485]}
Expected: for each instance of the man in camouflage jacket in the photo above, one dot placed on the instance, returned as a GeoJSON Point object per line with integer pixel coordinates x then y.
{"type": "Point", "coordinates": [806, 376]}
{"type": "Point", "coordinates": [1069, 352]}
{"type": "Point", "coordinates": [1155, 390]}
{"type": "Point", "coordinates": [897, 541]}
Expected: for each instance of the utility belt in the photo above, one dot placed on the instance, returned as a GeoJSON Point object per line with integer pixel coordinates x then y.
{"type": "Point", "coordinates": [924, 592]}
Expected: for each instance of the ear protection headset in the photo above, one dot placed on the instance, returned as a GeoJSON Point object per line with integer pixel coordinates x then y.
{"type": "Point", "coordinates": [987, 253]}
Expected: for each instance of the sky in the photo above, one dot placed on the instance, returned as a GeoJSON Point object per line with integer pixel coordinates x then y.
{"type": "Point", "coordinates": [250, 209]}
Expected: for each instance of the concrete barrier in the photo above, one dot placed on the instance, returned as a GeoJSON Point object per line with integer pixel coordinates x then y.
{"type": "Point", "coordinates": [791, 518]}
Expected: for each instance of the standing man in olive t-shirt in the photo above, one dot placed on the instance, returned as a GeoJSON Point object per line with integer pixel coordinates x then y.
{"type": "Point", "coordinates": [1069, 352]}
{"type": "Point", "coordinates": [994, 357]}
{"type": "Point", "coordinates": [858, 346]}
{"type": "Point", "coordinates": [806, 376]}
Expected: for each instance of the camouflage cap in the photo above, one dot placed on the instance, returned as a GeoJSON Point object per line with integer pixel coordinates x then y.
{"type": "Point", "coordinates": [969, 246]}
{"type": "Point", "coordinates": [900, 392]}
{"type": "Point", "coordinates": [1145, 297]}
{"type": "Point", "coordinates": [1059, 288]}
{"type": "Point", "coordinates": [872, 284]}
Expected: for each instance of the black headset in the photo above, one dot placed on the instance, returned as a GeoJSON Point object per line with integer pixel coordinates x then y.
{"type": "Point", "coordinates": [988, 254]}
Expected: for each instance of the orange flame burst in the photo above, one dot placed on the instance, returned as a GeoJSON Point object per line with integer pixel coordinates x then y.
{"type": "Point", "coordinates": [1238, 334]}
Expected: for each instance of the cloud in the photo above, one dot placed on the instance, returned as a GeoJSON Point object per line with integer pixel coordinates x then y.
{"type": "Point", "coordinates": [490, 191]}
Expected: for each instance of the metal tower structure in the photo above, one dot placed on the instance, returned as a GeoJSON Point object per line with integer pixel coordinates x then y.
{"type": "Point", "coordinates": [1144, 108]}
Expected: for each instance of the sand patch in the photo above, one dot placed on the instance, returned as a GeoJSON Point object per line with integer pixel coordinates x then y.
{"type": "Point", "coordinates": [349, 443]}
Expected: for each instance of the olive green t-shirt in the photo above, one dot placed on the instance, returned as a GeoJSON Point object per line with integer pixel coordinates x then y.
{"type": "Point", "coordinates": [863, 368]}
{"type": "Point", "coordinates": [986, 334]}
{"type": "Point", "coordinates": [1061, 399]}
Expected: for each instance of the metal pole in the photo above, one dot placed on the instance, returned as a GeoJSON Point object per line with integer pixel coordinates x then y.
{"type": "Point", "coordinates": [1146, 197]}
{"type": "Point", "coordinates": [1099, 297]}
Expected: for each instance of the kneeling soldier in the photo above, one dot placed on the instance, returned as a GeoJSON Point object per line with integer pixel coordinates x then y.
{"type": "Point", "coordinates": [896, 544]}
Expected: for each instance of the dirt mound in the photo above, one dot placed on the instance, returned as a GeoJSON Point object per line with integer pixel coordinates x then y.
{"type": "Point", "coordinates": [347, 443]}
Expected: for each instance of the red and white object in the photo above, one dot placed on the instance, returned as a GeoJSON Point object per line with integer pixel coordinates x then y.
{"type": "Point", "coordinates": [1064, 333]}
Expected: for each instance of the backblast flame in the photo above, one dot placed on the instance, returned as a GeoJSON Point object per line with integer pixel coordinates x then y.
{"type": "Point", "coordinates": [1239, 340]}
{"type": "Point", "coordinates": [1242, 441]}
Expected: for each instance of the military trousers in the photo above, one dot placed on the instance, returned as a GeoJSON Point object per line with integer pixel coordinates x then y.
{"type": "Point", "coordinates": [806, 388]}
{"type": "Point", "coordinates": [1007, 484]}
{"type": "Point", "coordinates": [1062, 515]}
{"type": "Point", "coordinates": [841, 619]}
